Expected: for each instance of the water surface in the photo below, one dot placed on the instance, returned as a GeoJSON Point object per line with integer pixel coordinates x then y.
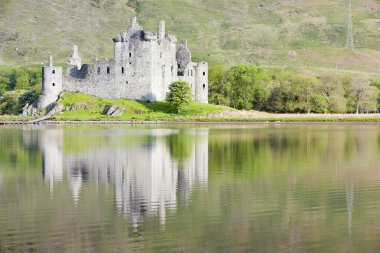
{"type": "Point", "coordinates": [263, 188]}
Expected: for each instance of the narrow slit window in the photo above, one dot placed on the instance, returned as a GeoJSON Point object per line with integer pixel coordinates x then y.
{"type": "Point", "coordinates": [130, 54]}
{"type": "Point", "coordinates": [191, 72]}
{"type": "Point", "coordinates": [53, 84]}
{"type": "Point", "coordinates": [204, 73]}
{"type": "Point", "coordinates": [122, 70]}
{"type": "Point", "coordinates": [98, 70]}
{"type": "Point", "coordinates": [108, 70]}
{"type": "Point", "coordinates": [179, 66]}
{"type": "Point", "coordinates": [53, 71]}
{"type": "Point", "coordinates": [204, 86]}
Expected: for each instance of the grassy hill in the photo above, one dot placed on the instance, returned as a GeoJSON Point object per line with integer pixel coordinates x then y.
{"type": "Point", "coordinates": [304, 35]}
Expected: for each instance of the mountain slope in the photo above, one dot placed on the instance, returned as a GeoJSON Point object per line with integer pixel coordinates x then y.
{"type": "Point", "coordinates": [292, 33]}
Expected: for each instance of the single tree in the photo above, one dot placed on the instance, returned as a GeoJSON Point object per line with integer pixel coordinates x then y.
{"type": "Point", "coordinates": [179, 95]}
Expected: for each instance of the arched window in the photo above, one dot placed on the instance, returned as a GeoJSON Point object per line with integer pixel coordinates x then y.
{"type": "Point", "coordinates": [204, 86]}
{"type": "Point", "coordinates": [53, 84]}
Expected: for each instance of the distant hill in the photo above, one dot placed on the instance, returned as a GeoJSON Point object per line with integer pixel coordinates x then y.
{"type": "Point", "coordinates": [303, 34]}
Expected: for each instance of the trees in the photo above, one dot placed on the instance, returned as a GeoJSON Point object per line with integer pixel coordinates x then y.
{"type": "Point", "coordinates": [361, 96]}
{"type": "Point", "coordinates": [249, 87]}
{"type": "Point", "coordinates": [218, 86]}
{"type": "Point", "coordinates": [179, 95]}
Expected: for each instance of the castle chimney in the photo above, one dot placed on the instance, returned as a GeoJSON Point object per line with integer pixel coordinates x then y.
{"type": "Point", "coordinates": [161, 30]}
{"type": "Point", "coordinates": [50, 61]}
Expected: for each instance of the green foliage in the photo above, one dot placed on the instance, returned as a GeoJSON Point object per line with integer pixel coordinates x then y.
{"type": "Point", "coordinates": [179, 95]}
{"type": "Point", "coordinates": [9, 103]}
{"type": "Point", "coordinates": [18, 86]}
{"type": "Point", "coordinates": [28, 97]}
{"type": "Point", "coordinates": [279, 91]}
{"type": "Point", "coordinates": [4, 83]}
{"type": "Point", "coordinates": [249, 87]}
{"type": "Point", "coordinates": [218, 86]}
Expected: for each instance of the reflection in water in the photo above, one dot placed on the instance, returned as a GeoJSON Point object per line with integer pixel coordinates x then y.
{"type": "Point", "coordinates": [289, 188]}
{"type": "Point", "coordinates": [145, 177]}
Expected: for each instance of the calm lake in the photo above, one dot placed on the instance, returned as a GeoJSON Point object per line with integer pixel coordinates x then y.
{"type": "Point", "coordinates": [225, 188]}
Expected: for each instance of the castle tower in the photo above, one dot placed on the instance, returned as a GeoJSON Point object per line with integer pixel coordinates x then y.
{"type": "Point", "coordinates": [201, 83]}
{"type": "Point", "coordinates": [51, 84]}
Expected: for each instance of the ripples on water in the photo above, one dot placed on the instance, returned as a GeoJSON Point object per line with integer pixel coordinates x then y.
{"type": "Point", "coordinates": [222, 189]}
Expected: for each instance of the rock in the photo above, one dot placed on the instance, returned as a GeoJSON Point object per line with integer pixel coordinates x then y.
{"type": "Point", "coordinates": [30, 110]}
{"type": "Point", "coordinates": [79, 106]}
{"type": "Point", "coordinates": [113, 110]}
{"type": "Point", "coordinates": [54, 108]}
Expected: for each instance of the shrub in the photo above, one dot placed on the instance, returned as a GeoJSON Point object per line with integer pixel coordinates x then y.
{"type": "Point", "coordinates": [179, 95]}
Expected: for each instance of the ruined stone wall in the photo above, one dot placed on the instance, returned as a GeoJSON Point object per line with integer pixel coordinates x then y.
{"type": "Point", "coordinates": [97, 79]}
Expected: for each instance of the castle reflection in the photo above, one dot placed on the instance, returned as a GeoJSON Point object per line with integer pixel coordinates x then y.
{"type": "Point", "coordinates": [150, 176]}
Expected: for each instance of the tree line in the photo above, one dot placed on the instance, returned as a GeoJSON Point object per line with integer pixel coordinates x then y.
{"type": "Point", "coordinates": [18, 86]}
{"type": "Point", "coordinates": [278, 91]}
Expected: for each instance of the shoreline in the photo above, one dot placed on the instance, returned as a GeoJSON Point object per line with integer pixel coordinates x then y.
{"type": "Point", "coordinates": [363, 121]}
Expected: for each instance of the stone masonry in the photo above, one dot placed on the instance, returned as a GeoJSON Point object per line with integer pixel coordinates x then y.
{"type": "Point", "coordinates": [144, 65]}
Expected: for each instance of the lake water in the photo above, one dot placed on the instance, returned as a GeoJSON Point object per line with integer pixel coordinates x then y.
{"type": "Point", "coordinates": [256, 188]}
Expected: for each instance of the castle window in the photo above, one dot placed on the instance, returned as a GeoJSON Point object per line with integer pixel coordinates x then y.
{"type": "Point", "coordinates": [122, 70]}
{"type": "Point", "coordinates": [98, 70]}
{"type": "Point", "coordinates": [53, 84]}
{"type": "Point", "coordinates": [191, 72]}
{"type": "Point", "coordinates": [204, 73]}
{"type": "Point", "coordinates": [108, 70]}
{"type": "Point", "coordinates": [130, 63]}
{"type": "Point", "coordinates": [204, 86]}
{"type": "Point", "coordinates": [179, 65]}
{"type": "Point", "coordinates": [53, 71]}
{"type": "Point", "coordinates": [130, 54]}
{"type": "Point", "coordinates": [161, 55]}
{"type": "Point", "coordinates": [126, 82]}
{"type": "Point", "coordinates": [172, 71]}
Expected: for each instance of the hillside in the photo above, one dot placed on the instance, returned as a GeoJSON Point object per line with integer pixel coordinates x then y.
{"type": "Point", "coordinates": [301, 34]}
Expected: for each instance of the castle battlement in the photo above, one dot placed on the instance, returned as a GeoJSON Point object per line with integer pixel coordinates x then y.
{"type": "Point", "coordinates": [145, 64]}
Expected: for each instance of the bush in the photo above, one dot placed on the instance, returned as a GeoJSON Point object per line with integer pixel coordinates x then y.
{"type": "Point", "coordinates": [179, 95]}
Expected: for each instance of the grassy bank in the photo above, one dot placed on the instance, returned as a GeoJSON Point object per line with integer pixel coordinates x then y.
{"type": "Point", "coordinates": [82, 107]}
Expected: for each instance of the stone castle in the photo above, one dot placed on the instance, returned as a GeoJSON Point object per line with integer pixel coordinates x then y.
{"type": "Point", "coordinates": [144, 65]}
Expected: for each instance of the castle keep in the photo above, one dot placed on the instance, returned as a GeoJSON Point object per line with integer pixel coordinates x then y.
{"type": "Point", "coordinates": [144, 65]}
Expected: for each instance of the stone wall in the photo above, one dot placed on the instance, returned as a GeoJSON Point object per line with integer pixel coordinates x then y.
{"type": "Point", "coordinates": [97, 79]}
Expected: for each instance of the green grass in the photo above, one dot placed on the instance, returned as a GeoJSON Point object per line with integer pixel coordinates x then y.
{"type": "Point", "coordinates": [91, 108]}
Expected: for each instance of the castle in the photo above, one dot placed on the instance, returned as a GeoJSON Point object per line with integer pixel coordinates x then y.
{"type": "Point", "coordinates": [144, 65]}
